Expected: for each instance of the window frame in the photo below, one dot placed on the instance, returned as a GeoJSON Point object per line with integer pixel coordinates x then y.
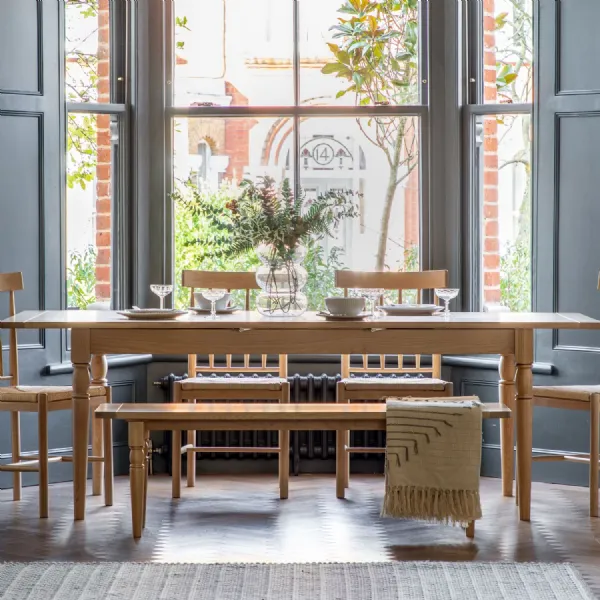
{"type": "Point", "coordinates": [119, 111]}
{"type": "Point", "coordinates": [474, 107]}
{"type": "Point", "coordinates": [297, 112]}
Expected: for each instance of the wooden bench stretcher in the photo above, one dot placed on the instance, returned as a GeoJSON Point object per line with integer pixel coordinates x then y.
{"type": "Point", "coordinates": [143, 418]}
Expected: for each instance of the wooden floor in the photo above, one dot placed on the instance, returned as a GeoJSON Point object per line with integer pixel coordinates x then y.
{"type": "Point", "coordinates": [241, 519]}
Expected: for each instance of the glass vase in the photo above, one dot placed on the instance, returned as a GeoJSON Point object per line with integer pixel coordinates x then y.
{"type": "Point", "coordinates": [281, 278]}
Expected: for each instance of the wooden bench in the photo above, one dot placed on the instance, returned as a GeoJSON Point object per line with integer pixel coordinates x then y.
{"type": "Point", "coordinates": [143, 418]}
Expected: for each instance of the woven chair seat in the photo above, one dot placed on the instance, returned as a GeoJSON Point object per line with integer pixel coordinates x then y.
{"type": "Point", "coordinates": [30, 393]}
{"type": "Point", "coordinates": [395, 383]}
{"type": "Point", "coordinates": [234, 383]}
{"type": "Point", "coordinates": [579, 393]}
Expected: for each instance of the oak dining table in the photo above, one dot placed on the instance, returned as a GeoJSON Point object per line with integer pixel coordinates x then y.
{"type": "Point", "coordinates": [96, 334]}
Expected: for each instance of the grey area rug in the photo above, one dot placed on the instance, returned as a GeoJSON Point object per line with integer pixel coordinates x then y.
{"type": "Point", "coordinates": [343, 581]}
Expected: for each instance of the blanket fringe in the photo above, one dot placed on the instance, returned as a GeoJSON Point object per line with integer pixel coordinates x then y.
{"type": "Point", "coordinates": [457, 507]}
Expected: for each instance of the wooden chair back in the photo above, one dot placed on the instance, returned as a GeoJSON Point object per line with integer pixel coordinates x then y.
{"type": "Point", "coordinates": [230, 281]}
{"type": "Point", "coordinates": [399, 282]}
{"type": "Point", "coordinates": [11, 283]}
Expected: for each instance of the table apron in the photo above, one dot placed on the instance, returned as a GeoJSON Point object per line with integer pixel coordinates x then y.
{"type": "Point", "coordinates": [304, 341]}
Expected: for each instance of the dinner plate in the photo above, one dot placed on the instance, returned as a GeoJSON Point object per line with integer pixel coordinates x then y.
{"type": "Point", "coordinates": [152, 313]}
{"type": "Point", "coordinates": [331, 317]}
{"type": "Point", "coordinates": [397, 310]}
{"type": "Point", "coordinates": [219, 311]}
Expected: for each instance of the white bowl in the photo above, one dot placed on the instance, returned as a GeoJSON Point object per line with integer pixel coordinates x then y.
{"type": "Point", "coordinates": [201, 302]}
{"type": "Point", "coordinates": [345, 307]}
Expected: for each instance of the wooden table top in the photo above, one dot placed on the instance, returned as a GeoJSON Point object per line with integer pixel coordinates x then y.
{"type": "Point", "coordinates": [89, 319]}
{"type": "Point", "coordinates": [262, 412]}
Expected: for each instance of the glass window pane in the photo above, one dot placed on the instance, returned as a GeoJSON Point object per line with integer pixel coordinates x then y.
{"type": "Point", "coordinates": [359, 56]}
{"type": "Point", "coordinates": [505, 200]}
{"type": "Point", "coordinates": [336, 154]}
{"type": "Point", "coordinates": [211, 157]}
{"type": "Point", "coordinates": [89, 199]}
{"type": "Point", "coordinates": [378, 159]}
{"type": "Point", "coordinates": [233, 53]}
{"type": "Point", "coordinates": [507, 51]}
{"type": "Point", "coordinates": [87, 50]}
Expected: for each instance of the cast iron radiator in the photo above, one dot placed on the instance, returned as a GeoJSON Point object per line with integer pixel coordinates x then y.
{"type": "Point", "coordinates": [308, 445]}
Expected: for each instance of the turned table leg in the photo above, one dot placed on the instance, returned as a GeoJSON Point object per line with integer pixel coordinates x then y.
{"type": "Point", "coordinates": [80, 356]}
{"type": "Point", "coordinates": [137, 475]}
{"type": "Point", "coordinates": [524, 400]}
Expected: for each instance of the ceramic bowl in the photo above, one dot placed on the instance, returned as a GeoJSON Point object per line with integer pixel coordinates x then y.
{"type": "Point", "coordinates": [345, 307]}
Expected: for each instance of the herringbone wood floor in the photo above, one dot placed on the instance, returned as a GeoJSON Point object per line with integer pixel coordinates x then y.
{"type": "Point", "coordinates": [233, 519]}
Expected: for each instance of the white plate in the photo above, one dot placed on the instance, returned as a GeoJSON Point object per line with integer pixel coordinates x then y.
{"type": "Point", "coordinates": [152, 313]}
{"type": "Point", "coordinates": [394, 310]}
{"type": "Point", "coordinates": [220, 311]}
{"type": "Point", "coordinates": [331, 317]}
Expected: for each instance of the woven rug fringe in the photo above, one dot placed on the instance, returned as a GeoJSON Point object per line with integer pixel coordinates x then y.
{"type": "Point", "coordinates": [457, 507]}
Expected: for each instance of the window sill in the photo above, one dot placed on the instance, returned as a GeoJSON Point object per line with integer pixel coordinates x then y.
{"type": "Point", "coordinates": [114, 362]}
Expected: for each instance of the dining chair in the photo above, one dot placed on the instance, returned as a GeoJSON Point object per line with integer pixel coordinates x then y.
{"type": "Point", "coordinates": [42, 400]}
{"type": "Point", "coordinates": [582, 398]}
{"type": "Point", "coordinates": [225, 380]}
{"type": "Point", "coordinates": [389, 376]}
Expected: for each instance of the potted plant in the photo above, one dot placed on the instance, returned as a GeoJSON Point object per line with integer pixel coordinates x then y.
{"type": "Point", "coordinates": [276, 224]}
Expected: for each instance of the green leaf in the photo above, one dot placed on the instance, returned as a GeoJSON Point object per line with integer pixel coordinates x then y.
{"type": "Point", "coordinates": [331, 68]}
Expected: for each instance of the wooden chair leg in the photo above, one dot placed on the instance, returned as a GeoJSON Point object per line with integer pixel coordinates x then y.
{"type": "Point", "coordinates": [506, 392]}
{"type": "Point", "coordinates": [107, 439]}
{"type": "Point", "coordinates": [284, 451]}
{"type": "Point", "coordinates": [471, 530]}
{"type": "Point", "coordinates": [191, 456]}
{"type": "Point", "coordinates": [43, 453]}
{"type": "Point", "coordinates": [97, 450]}
{"type": "Point", "coordinates": [344, 443]}
{"type": "Point", "coordinates": [15, 426]}
{"type": "Point", "coordinates": [176, 464]}
{"type": "Point", "coordinates": [341, 456]}
{"type": "Point", "coordinates": [594, 452]}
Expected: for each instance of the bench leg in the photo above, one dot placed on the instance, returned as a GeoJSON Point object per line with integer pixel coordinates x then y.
{"type": "Point", "coordinates": [176, 464]}
{"type": "Point", "coordinates": [471, 530]}
{"type": "Point", "coordinates": [148, 458]}
{"type": "Point", "coordinates": [137, 475]}
{"type": "Point", "coordinates": [341, 457]}
{"type": "Point", "coordinates": [284, 450]}
{"type": "Point", "coordinates": [108, 461]}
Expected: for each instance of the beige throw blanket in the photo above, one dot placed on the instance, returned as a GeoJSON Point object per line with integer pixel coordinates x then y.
{"type": "Point", "coordinates": [433, 458]}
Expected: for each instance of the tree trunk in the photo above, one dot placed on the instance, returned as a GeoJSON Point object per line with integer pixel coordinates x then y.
{"type": "Point", "coordinates": [389, 200]}
{"type": "Point", "coordinates": [386, 216]}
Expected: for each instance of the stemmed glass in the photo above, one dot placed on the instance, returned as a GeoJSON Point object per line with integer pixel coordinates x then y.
{"type": "Point", "coordinates": [373, 295]}
{"type": "Point", "coordinates": [162, 291]}
{"type": "Point", "coordinates": [446, 294]}
{"type": "Point", "coordinates": [213, 295]}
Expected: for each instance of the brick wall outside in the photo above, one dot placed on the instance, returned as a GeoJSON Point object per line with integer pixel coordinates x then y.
{"type": "Point", "coordinates": [103, 166]}
{"type": "Point", "coordinates": [237, 137]}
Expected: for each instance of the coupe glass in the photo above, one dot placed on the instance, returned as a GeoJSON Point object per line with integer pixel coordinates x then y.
{"type": "Point", "coordinates": [373, 295]}
{"type": "Point", "coordinates": [446, 294]}
{"type": "Point", "coordinates": [162, 291]}
{"type": "Point", "coordinates": [213, 295]}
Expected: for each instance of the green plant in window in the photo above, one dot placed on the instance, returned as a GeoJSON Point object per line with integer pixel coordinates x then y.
{"type": "Point", "coordinates": [515, 276]}
{"type": "Point", "coordinates": [81, 278]}
{"type": "Point", "coordinates": [376, 54]}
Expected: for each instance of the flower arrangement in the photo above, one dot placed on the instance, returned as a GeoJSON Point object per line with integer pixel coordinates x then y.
{"type": "Point", "coordinates": [263, 215]}
{"type": "Point", "coordinates": [275, 224]}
